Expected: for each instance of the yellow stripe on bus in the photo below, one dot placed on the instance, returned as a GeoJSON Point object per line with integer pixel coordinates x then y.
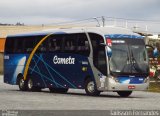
{"type": "Point", "coordinates": [31, 56]}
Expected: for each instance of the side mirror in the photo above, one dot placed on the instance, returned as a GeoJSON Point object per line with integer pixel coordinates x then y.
{"type": "Point", "coordinates": [109, 51]}
{"type": "Point", "coordinates": [155, 52]}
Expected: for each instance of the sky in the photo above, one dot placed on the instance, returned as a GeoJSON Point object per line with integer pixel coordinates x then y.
{"type": "Point", "coordinates": [36, 12]}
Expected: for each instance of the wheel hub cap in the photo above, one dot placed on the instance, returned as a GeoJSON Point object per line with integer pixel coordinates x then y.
{"type": "Point", "coordinates": [21, 83]}
{"type": "Point", "coordinates": [90, 87]}
{"type": "Point", "coordinates": [30, 84]}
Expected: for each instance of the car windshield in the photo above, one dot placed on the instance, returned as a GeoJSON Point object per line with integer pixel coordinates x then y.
{"type": "Point", "coordinates": [129, 56]}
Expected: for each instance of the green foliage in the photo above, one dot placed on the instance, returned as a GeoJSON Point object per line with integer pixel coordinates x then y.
{"type": "Point", "coordinates": [154, 87]}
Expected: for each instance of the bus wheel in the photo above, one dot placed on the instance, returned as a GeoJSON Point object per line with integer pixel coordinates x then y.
{"type": "Point", "coordinates": [22, 84]}
{"type": "Point", "coordinates": [124, 93]}
{"type": "Point", "coordinates": [90, 88]}
{"type": "Point", "coordinates": [58, 90]}
{"type": "Point", "coordinates": [31, 87]}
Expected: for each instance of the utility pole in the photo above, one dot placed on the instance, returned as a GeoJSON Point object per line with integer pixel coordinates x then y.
{"type": "Point", "coordinates": [103, 21]}
{"type": "Point", "coordinates": [126, 24]}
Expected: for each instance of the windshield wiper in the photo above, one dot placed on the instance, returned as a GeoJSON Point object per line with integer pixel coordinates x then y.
{"type": "Point", "coordinates": [127, 62]}
{"type": "Point", "coordinates": [134, 63]}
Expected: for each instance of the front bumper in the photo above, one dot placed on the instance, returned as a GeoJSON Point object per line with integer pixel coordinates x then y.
{"type": "Point", "coordinates": [115, 86]}
{"type": "Point", "coordinates": [112, 85]}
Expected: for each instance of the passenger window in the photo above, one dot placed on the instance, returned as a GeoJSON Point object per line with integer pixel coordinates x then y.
{"type": "Point", "coordinates": [42, 47]}
{"type": "Point", "coordinates": [55, 43]}
{"type": "Point", "coordinates": [83, 45]}
{"type": "Point", "coordinates": [29, 44]}
{"type": "Point", "coordinates": [19, 45]}
{"type": "Point", "coordinates": [9, 48]}
{"type": "Point", "coordinates": [70, 43]}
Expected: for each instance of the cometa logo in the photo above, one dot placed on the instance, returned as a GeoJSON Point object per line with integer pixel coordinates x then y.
{"type": "Point", "coordinates": [68, 60]}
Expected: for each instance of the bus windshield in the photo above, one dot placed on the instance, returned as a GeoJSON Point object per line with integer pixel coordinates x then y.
{"type": "Point", "coordinates": [129, 56]}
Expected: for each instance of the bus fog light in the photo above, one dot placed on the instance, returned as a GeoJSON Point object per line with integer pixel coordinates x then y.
{"type": "Point", "coordinates": [116, 80]}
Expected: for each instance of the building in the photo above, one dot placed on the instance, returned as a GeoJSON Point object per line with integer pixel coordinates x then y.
{"type": "Point", "coordinates": [2, 42]}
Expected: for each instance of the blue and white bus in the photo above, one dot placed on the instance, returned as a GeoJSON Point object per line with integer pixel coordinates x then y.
{"type": "Point", "coordinates": [96, 59]}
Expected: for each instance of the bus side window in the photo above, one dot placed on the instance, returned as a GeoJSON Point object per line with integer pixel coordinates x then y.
{"type": "Point", "coordinates": [43, 47]}
{"type": "Point", "coordinates": [29, 44]}
{"type": "Point", "coordinates": [83, 45]}
{"type": "Point", "coordinates": [70, 43]}
{"type": "Point", "coordinates": [55, 43]}
{"type": "Point", "coordinates": [9, 47]}
{"type": "Point", "coordinates": [19, 45]}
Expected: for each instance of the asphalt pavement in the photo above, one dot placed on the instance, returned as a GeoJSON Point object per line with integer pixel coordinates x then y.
{"type": "Point", "coordinates": [12, 98]}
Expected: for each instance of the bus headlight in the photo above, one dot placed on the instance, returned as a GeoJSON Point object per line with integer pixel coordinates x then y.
{"type": "Point", "coordinates": [115, 79]}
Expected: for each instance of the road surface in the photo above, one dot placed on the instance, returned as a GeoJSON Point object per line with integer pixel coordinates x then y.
{"type": "Point", "coordinates": [12, 98]}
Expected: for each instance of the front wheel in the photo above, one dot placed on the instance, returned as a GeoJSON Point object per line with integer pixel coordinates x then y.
{"type": "Point", "coordinates": [124, 93]}
{"type": "Point", "coordinates": [90, 88]}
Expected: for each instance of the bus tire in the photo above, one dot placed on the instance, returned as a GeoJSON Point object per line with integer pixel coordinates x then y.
{"type": "Point", "coordinates": [124, 93]}
{"type": "Point", "coordinates": [22, 84]}
{"type": "Point", "coordinates": [30, 85]}
{"type": "Point", "coordinates": [90, 88]}
{"type": "Point", "coordinates": [58, 90]}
